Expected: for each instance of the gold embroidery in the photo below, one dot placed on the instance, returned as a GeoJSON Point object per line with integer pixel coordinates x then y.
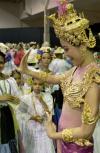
{"type": "Point", "coordinates": [43, 76]}
{"type": "Point", "coordinates": [87, 116]}
{"type": "Point", "coordinates": [67, 135]}
{"type": "Point", "coordinates": [97, 77]}
{"type": "Point", "coordinates": [74, 93]}
{"type": "Point", "coordinates": [83, 142]}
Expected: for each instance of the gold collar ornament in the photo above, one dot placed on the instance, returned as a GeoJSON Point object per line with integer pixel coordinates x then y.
{"type": "Point", "coordinates": [72, 27]}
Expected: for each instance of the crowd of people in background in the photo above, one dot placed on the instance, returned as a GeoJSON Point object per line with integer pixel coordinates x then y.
{"type": "Point", "coordinates": [35, 97]}
{"type": "Point", "coordinates": [15, 51]}
{"type": "Point", "coordinates": [30, 114]}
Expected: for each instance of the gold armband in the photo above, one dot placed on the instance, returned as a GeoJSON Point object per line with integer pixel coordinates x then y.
{"type": "Point", "coordinates": [43, 76]}
{"type": "Point", "coordinates": [67, 135]}
{"type": "Point", "coordinates": [87, 116]}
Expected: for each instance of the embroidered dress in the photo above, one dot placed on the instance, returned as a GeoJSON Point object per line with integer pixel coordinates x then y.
{"type": "Point", "coordinates": [71, 117]}
{"type": "Point", "coordinates": [35, 138]}
{"type": "Point", "coordinates": [8, 142]}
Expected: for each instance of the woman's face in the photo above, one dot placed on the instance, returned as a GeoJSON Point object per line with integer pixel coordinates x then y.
{"type": "Point", "coordinates": [72, 52]}
{"type": "Point", "coordinates": [46, 59]}
{"type": "Point", "coordinates": [2, 63]}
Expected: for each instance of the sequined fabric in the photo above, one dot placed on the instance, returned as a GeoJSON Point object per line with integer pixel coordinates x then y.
{"type": "Point", "coordinates": [74, 92]}
{"type": "Point", "coordinates": [87, 117]}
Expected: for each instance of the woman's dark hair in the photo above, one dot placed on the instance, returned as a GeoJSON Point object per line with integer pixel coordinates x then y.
{"type": "Point", "coordinates": [2, 55]}
{"type": "Point", "coordinates": [59, 56]}
{"type": "Point", "coordinates": [97, 47]}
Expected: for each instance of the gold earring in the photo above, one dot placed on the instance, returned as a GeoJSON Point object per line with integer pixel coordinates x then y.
{"type": "Point", "coordinates": [83, 51]}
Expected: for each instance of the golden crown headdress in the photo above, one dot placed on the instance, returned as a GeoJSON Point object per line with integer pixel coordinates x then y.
{"type": "Point", "coordinates": [72, 27]}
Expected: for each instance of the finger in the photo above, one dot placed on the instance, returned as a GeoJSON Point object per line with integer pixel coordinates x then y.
{"type": "Point", "coordinates": [16, 100]}
{"type": "Point", "coordinates": [49, 117]}
{"type": "Point", "coordinates": [54, 126]}
{"type": "Point", "coordinates": [10, 98]}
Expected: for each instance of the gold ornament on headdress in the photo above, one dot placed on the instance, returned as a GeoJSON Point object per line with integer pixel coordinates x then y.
{"type": "Point", "coordinates": [72, 27]}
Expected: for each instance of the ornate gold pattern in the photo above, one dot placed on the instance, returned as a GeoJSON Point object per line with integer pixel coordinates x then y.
{"type": "Point", "coordinates": [67, 135]}
{"type": "Point", "coordinates": [97, 77]}
{"type": "Point", "coordinates": [43, 76]}
{"type": "Point", "coordinates": [72, 27]}
{"type": "Point", "coordinates": [74, 93]}
{"type": "Point", "coordinates": [83, 142]}
{"type": "Point", "coordinates": [87, 116]}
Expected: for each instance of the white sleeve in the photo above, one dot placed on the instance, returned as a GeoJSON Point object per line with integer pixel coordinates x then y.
{"type": "Point", "coordinates": [23, 106]}
{"type": "Point", "coordinates": [22, 111]}
{"type": "Point", "coordinates": [14, 87]}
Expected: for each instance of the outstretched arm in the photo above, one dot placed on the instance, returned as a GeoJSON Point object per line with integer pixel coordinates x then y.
{"type": "Point", "coordinates": [43, 76]}
{"type": "Point", "coordinates": [7, 97]}
{"type": "Point", "coordinates": [89, 118]}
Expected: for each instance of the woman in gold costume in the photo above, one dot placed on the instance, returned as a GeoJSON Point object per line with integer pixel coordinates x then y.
{"type": "Point", "coordinates": [80, 85]}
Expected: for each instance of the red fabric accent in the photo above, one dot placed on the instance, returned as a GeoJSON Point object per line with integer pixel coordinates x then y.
{"type": "Point", "coordinates": [18, 57]}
